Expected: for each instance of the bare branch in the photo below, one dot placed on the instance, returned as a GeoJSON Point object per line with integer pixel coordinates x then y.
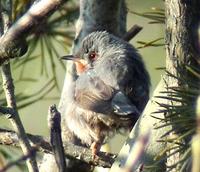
{"type": "Point", "coordinates": [54, 119]}
{"type": "Point", "coordinates": [9, 42]}
{"type": "Point", "coordinates": [8, 137]}
{"type": "Point", "coordinates": [131, 33]}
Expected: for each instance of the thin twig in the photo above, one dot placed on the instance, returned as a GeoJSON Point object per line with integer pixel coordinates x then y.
{"type": "Point", "coordinates": [8, 137]}
{"type": "Point", "coordinates": [21, 159]}
{"type": "Point", "coordinates": [54, 119]}
{"type": "Point", "coordinates": [130, 34]}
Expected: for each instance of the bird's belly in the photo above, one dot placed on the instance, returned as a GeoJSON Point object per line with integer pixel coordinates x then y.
{"type": "Point", "coordinates": [90, 126]}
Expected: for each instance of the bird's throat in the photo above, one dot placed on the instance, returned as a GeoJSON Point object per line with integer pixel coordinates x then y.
{"type": "Point", "coordinates": [80, 67]}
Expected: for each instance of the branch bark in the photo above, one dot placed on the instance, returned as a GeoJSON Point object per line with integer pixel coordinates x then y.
{"type": "Point", "coordinates": [8, 137]}
{"type": "Point", "coordinates": [182, 22]}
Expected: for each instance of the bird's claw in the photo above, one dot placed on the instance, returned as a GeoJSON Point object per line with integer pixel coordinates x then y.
{"type": "Point", "coordinates": [95, 147]}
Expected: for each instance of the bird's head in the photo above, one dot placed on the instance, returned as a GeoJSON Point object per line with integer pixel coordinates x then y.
{"type": "Point", "coordinates": [91, 51]}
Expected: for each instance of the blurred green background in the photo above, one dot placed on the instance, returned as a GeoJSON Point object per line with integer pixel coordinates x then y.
{"type": "Point", "coordinates": [34, 117]}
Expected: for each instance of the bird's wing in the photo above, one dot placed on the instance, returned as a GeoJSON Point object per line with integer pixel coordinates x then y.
{"type": "Point", "coordinates": [93, 94]}
{"type": "Point", "coordinates": [123, 106]}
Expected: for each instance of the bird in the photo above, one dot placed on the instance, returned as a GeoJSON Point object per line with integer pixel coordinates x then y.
{"type": "Point", "coordinates": [111, 89]}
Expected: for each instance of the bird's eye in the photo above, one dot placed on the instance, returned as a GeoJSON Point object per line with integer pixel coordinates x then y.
{"type": "Point", "coordinates": [92, 55]}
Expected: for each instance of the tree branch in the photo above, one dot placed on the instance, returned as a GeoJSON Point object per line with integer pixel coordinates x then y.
{"type": "Point", "coordinates": [8, 137]}
{"type": "Point", "coordinates": [134, 30]}
{"type": "Point", "coordinates": [13, 38]}
{"type": "Point", "coordinates": [181, 49]}
{"type": "Point", "coordinates": [54, 119]}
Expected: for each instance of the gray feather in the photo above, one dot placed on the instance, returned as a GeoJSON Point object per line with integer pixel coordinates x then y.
{"type": "Point", "coordinates": [123, 106]}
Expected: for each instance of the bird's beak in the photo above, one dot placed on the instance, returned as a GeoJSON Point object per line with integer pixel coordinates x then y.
{"type": "Point", "coordinates": [69, 57]}
{"type": "Point", "coordinates": [81, 64]}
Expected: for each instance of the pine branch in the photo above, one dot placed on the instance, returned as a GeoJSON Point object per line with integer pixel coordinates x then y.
{"type": "Point", "coordinates": [9, 42]}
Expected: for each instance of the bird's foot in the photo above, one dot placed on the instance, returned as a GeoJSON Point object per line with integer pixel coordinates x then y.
{"type": "Point", "coordinates": [95, 147]}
